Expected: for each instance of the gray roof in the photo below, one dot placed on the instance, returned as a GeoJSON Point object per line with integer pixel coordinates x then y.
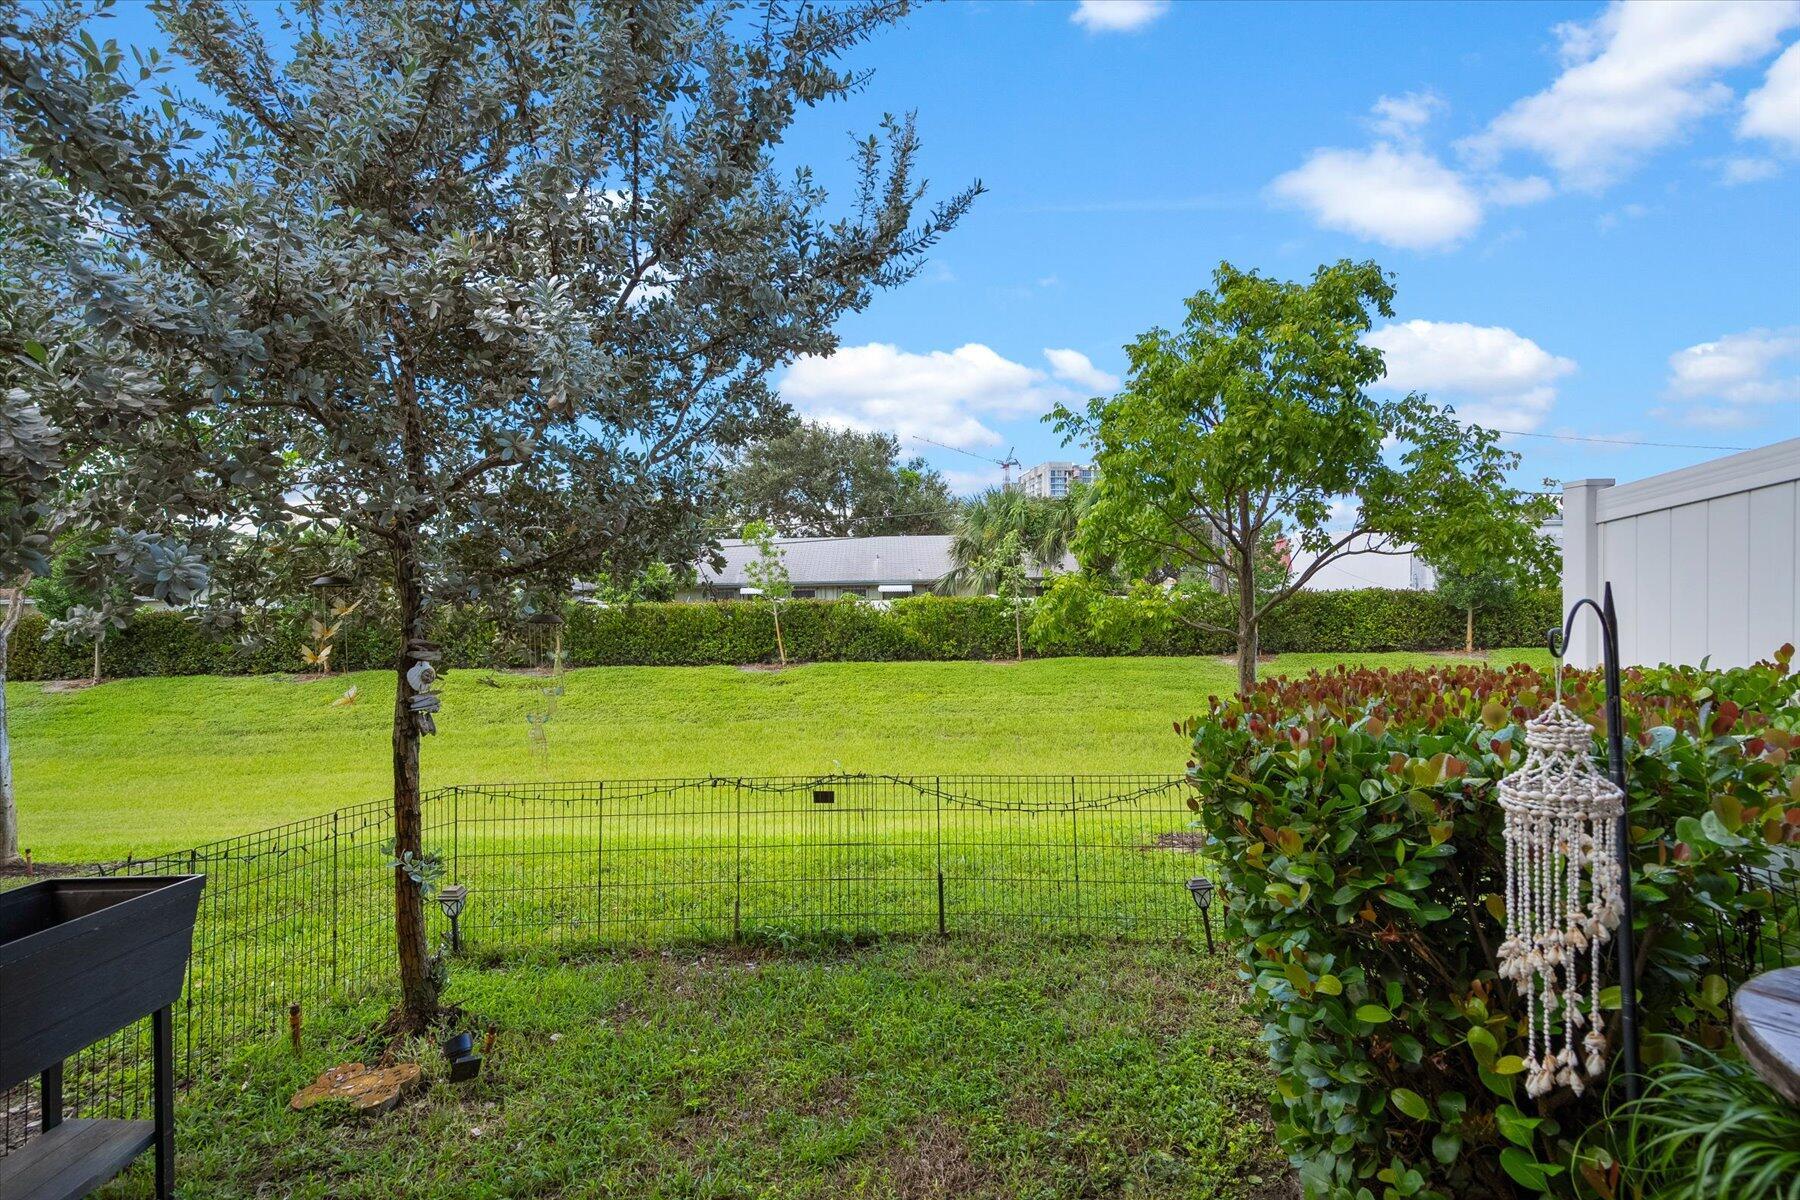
{"type": "Point", "coordinates": [920, 559]}
{"type": "Point", "coordinates": [814, 562]}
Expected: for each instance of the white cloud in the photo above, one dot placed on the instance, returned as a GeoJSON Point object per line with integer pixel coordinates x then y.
{"type": "Point", "coordinates": [1080, 370]}
{"type": "Point", "coordinates": [1493, 376]}
{"type": "Point", "coordinates": [1401, 117]}
{"type": "Point", "coordinates": [1391, 194]}
{"type": "Point", "coordinates": [1772, 111]}
{"type": "Point", "coordinates": [1507, 192]}
{"type": "Point", "coordinates": [1117, 16]}
{"type": "Point", "coordinates": [1741, 170]}
{"type": "Point", "coordinates": [946, 396]}
{"type": "Point", "coordinates": [1741, 369]}
{"type": "Point", "coordinates": [1638, 77]}
{"type": "Point", "coordinates": [1736, 171]}
{"type": "Point", "coordinates": [967, 482]}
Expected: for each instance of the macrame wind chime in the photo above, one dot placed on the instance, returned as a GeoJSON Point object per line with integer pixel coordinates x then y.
{"type": "Point", "coordinates": [1562, 893]}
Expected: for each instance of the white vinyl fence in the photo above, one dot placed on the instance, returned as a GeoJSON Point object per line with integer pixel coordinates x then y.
{"type": "Point", "coordinates": [1702, 561]}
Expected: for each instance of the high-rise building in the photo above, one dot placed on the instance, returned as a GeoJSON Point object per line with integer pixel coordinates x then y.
{"type": "Point", "coordinates": [1054, 479]}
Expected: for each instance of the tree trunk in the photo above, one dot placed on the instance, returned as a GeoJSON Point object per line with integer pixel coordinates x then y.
{"type": "Point", "coordinates": [418, 991]}
{"type": "Point", "coordinates": [14, 600]}
{"type": "Point", "coordinates": [98, 639]}
{"type": "Point", "coordinates": [1246, 589]}
{"type": "Point", "coordinates": [780, 646]}
{"type": "Point", "coordinates": [1018, 634]}
{"type": "Point", "coordinates": [1246, 651]}
{"type": "Point", "coordinates": [1469, 633]}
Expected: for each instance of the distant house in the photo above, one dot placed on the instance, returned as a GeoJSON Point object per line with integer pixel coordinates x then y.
{"type": "Point", "coordinates": [871, 568]}
{"type": "Point", "coordinates": [1402, 569]}
{"type": "Point", "coordinates": [1054, 480]}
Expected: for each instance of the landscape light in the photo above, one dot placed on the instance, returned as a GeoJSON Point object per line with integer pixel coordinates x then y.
{"type": "Point", "coordinates": [1200, 889]}
{"type": "Point", "coordinates": [452, 899]}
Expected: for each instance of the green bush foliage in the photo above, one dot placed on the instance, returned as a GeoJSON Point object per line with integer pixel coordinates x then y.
{"type": "Point", "coordinates": [1354, 822]}
{"type": "Point", "coordinates": [1706, 1126]}
{"type": "Point", "coordinates": [668, 634]}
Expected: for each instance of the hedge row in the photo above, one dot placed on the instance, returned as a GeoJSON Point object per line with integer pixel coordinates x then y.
{"type": "Point", "coordinates": [920, 627]}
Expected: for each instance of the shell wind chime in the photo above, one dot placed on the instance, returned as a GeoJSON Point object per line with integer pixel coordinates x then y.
{"type": "Point", "coordinates": [1562, 894]}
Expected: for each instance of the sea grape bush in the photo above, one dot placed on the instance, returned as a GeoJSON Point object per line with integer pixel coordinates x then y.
{"type": "Point", "coordinates": [1354, 821]}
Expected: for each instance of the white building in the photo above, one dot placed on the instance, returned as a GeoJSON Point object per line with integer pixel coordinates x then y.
{"type": "Point", "coordinates": [1403, 569]}
{"type": "Point", "coordinates": [1702, 561]}
{"type": "Point", "coordinates": [872, 568]}
{"type": "Point", "coordinates": [1053, 480]}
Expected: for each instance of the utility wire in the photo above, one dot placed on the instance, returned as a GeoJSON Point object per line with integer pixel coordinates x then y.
{"type": "Point", "coordinates": [1576, 437]}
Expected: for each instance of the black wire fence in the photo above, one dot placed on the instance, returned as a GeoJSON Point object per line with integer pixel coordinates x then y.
{"type": "Point", "coordinates": [302, 914]}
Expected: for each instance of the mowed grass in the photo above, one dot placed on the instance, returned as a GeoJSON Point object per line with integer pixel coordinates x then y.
{"type": "Point", "coordinates": [138, 766]}
{"type": "Point", "coordinates": [905, 1070]}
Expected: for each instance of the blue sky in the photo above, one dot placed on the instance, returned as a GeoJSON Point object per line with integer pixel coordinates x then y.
{"type": "Point", "coordinates": [1590, 211]}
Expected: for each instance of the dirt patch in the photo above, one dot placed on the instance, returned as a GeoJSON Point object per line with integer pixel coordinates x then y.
{"type": "Point", "coordinates": [934, 1164]}
{"type": "Point", "coordinates": [57, 687]}
{"type": "Point", "coordinates": [19, 1116]}
{"type": "Point", "coordinates": [1188, 841]}
{"type": "Point", "coordinates": [43, 870]}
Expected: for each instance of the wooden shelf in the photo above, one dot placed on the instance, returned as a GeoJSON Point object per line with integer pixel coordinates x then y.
{"type": "Point", "coordinates": [73, 1159]}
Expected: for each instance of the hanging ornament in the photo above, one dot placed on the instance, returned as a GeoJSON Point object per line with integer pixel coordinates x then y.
{"type": "Point", "coordinates": [1562, 894]}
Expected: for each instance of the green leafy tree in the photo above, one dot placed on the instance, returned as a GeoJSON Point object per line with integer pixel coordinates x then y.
{"type": "Point", "coordinates": [818, 481]}
{"type": "Point", "coordinates": [489, 286]}
{"type": "Point", "coordinates": [768, 573]}
{"type": "Point", "coordinates": [1043, 527]}
{"type": "Point", "coordinates": [1256, 413]}
{"type": "Point", "coordinates": [656, 583]}
{"type": "Point", "coordinates": [1489, 569]}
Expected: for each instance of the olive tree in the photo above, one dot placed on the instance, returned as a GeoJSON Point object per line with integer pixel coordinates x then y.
{"type": "Point", "coordinates": [488, 284]}
{"type": "Point", "coordinates": [68, 390]}
{"type": "Point", "coordinates": [1256, 415]}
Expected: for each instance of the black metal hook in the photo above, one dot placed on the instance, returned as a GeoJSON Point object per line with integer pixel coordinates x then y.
{"type": "Point", "coordinates": [1558, 640]}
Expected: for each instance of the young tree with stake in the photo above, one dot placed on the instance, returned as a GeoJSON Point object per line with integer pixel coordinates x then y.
{"type": "Point", "coordinates": [768, 574]}
{"type": "Point", "coordinates": [488, 284]}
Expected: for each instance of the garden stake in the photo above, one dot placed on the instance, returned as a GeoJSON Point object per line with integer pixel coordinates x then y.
{"type": "Point", "coordinates": [1615, 754]}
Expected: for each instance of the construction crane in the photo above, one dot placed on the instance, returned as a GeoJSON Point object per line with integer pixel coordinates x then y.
{"type": "Point", "coordinates": [1007, 465]}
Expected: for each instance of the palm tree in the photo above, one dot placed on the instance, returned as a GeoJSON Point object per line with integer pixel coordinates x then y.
{"type": "Point", "coordinates": [1044, 527]}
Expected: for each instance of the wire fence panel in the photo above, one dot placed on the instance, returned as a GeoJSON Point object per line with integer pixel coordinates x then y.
{"type": "Point", "coordinates": [302, 914]}
{"type": "Point", "coordinates": [648, 861]}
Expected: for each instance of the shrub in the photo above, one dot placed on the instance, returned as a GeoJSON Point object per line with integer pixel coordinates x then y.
{"type": "Point", "coordinates": [917, 627]}
{"type": "Point", "coordinates": [1706, 1126]}
{"type": "Point", "coordinates": [1354, 821]}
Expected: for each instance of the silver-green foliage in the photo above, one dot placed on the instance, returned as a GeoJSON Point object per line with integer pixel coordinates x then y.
{"type": "Point", "coordinates": [486, 283]}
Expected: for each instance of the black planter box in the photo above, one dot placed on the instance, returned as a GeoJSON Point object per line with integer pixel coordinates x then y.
{"type": "Point", "coordinates": [82, 958]}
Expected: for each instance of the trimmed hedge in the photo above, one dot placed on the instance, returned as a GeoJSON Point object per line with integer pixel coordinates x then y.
{"type": "Point", "coordinates": [919, 627]}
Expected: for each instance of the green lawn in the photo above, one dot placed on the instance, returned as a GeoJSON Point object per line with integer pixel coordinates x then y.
{"type": "Point", "coordinates": [905, 1070]}
{"type": "Point", "coordinates": [142, 765]}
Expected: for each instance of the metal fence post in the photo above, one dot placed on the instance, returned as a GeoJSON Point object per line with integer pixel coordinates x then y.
{"type": "Point", "coordinates": [1075, 847]}
{"type": "Point", "coordinates": [737, 842]}
{"type": "Point", "coordinates": [600, 860]}
{"type": "Point", "coordinates": [336, 979]}
{"type": "Point", "coordinates": [937, 791]}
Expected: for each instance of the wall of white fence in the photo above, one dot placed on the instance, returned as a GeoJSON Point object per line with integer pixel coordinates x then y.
{"type": "Point", "coordinates": [1703, 562]}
